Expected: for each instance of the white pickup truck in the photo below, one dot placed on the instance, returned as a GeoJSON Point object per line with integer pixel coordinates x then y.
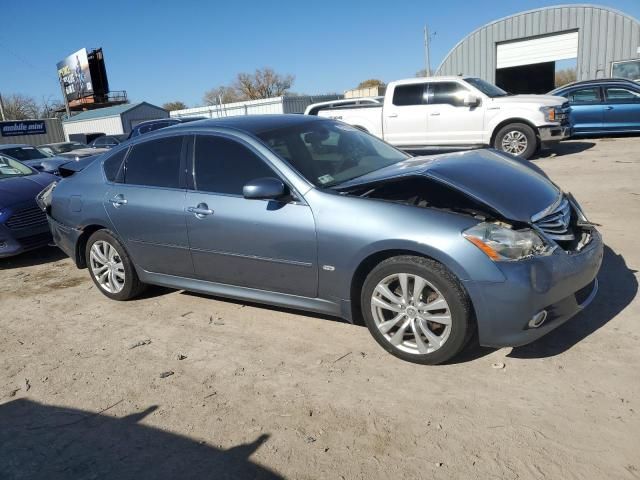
{"type": "Point", "coordinates": [457, 112]}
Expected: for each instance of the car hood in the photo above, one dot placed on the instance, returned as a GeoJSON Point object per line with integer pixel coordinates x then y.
{"type": "Point", "coordinates": [542, 100]}
{"type": "Point", "coordinates": [21, 189]}
{"type": "Point", "coordinates": [509, 186]}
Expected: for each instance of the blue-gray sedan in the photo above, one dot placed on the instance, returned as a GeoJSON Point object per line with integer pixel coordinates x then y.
{"type": "Point", "coordinates": [311, 213]}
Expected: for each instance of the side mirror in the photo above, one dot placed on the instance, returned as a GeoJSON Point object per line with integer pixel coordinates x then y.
{"type": "Point", "coordinates": [268, 188]}
{"type": "Point", "coordinates": [470, 100]}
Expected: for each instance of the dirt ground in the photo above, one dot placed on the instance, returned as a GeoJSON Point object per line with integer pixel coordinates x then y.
{"type": "Point", "coordinates": [259, 392]}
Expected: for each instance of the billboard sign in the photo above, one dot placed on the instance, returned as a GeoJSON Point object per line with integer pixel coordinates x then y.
{"type": "Point", "coordinates": [23, 127]}
{"type": "Point", "coordinates": [75, 76]}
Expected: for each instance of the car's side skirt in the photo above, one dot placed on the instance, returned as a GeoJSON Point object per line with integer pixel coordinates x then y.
{"type": "Point", "coordinates": [318, 305]}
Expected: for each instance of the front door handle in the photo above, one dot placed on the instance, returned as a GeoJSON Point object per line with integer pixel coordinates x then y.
{"type": "Point", "coordinates": [201, 211]}
{"type": "Point", "coordinates": [392, 115]}
{"type": "Point", "coordinates": [435, 114]}
{"type": "Point", "coordinates": [118, 200]}
{"type": "Point", "coordinates": [608, 108]}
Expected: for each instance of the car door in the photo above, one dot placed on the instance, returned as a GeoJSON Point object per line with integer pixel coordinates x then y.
{"type": "Point", "coordinates": [621, 109]}
{"type": "Point", "coordinates": [587, 109]}
{"type": "Point", "coordinates": [146, 206]}
{"type": "Point", "coordinates": [263, 244]}
{"type": "Point", "coordinates": [449, 120]}
{"type": "Point", "coordinates": [405, 117]}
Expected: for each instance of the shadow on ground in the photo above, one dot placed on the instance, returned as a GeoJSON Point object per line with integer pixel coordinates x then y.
{"type": "Point", "coordinates": [564, 148]}
{"type": "Point", "coordinates": [32, 258]}
{"type": "Point", "coordinates": [47, 442]}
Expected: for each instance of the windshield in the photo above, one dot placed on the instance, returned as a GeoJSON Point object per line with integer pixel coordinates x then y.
{"type": "Point", "coordinates": [489, 89]}
{"type": "Point", "coordinates": [25, 153]}
{"type": "Point", "coordinates": [328, 153]}
{"type": "Point", "coordinates": [10, 168]}
{"type": "Point", "coordinates": [67, 147]}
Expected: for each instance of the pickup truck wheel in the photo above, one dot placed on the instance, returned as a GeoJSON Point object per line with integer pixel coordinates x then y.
{"type": "Point", "coordinates": [417, 310]}
{"type": "Point", "coordinates": [517, 139]}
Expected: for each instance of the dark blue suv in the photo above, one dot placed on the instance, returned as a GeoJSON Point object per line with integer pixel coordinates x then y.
{"type": "Point", "coordinates": [607, 105]}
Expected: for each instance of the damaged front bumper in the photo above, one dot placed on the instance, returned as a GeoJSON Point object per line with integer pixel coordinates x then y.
{"type": "Point", "coordinates": [561, 285]}
{"type": "Point", "coordinates": [550, 134]}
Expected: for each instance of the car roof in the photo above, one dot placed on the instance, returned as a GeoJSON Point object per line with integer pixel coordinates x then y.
{"type": "Point", "coordinates": [14, 145]}
{"type": "Point", "coordinates": [598, 81]}
{"type": "Point", "coordinates": [253, 124]}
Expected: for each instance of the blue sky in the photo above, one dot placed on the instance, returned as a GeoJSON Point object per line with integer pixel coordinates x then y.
{"type": "Point", "coordinates": [175, 50]}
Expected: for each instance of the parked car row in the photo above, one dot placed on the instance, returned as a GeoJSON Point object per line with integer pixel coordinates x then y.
{"type": "Point", "coordinates": [311, 213]}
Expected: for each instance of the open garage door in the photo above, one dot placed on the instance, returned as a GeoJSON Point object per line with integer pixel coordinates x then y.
{"type": "Point", "coordinates": [528, 66]}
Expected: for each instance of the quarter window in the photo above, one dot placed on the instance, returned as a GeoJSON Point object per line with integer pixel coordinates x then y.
{"type": "Point", "coordinates": [404, 95]}
{"type": "Point", "coordinates": [225, 166]}
{"type": "Point", "coordinates": [622, 95]}
{"type": "Point", "coordinates": [447, 93]}
{"type": "Point", "coordinates": [155, 163]}
{"type": "Point", "coordinates": [584, 95]}
{"type": "Point", "coordinates": [112, 165]}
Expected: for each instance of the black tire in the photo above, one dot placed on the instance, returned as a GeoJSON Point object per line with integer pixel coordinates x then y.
{"type": "Point", "coordinates": [522, 128]}
{"type": "Point", "coordinates": [460, 309]}
{"type": "Point", "coordinates": [132, 285]}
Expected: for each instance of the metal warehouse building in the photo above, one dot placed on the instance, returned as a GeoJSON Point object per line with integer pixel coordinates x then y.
{"type": "Point", "coordinates": [518, 53]}
{"type": "Point", "coordinates": [113, 120]}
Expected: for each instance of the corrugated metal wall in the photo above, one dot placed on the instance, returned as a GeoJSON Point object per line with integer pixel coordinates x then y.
{"type": "Point", "coordinates": [54, 134]}
{"type": "Point", "coordinates": [106, 125]}
{"type": "Point", "coordinates": [141, 113]}
{"type": "Point", "coordinates": [605, 36]}
{"type": "Point", "coordinates": [264, 106]}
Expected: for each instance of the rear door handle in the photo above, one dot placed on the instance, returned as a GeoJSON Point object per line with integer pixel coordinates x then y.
{"type": "Point", "coordinates": [435, 114]}
{"type": "Point", "coordinates": [201, 211]}
{"type": "Point", "coordinates": [392, 115]}
{"type": "Point", "coordinates": [118, 200]}
{"type": "Point", "coordinates": [608, 108]}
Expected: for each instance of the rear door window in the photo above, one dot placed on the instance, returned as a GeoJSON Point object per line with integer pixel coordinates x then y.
{"type": "Point", "coordinates": [405, 95]}
{"type": "Point", "coordinates": [223, 165]}
{"type": "Point", "coordinates": [155, 163]}
{"type": "Point", "coordinates": [621, 95]}
{"type": "Point", "coordinates": [112, 166]}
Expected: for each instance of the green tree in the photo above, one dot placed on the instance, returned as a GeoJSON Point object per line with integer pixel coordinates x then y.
{"type": "Point", "coordinates": [175, 105]}
{"type": "Point", "coordinates": [371, 83]}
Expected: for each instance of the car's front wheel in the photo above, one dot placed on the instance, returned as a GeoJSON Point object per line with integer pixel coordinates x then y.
{"type": "Point", "coordinates": [416, 309]}
{"type": "Point", "coordinates": [111, 268]}
{"type": "Point", "coordinates": [517, 139]}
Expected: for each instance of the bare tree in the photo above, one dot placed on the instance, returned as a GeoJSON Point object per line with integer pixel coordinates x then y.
{"type": "Point", "coordinates": [50, 107]}
{"type": "Point", "coordinates": [264, 83]}
{"type": "Point", "coordinates": [175, 105]}
{"type": "Point", "coordinates": [222, 94]}
{"type": "Point", "coordinates": [565, 76]}
{"type": "Point", "coordinates": [371, 83]}
{"type": "Point", "coordinates": [20, 107]}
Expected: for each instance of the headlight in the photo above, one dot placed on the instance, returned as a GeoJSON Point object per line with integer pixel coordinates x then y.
{"type": "Point", "coordinates": [500, 242]}
{"type": "Point", "coordinates": [549, 113]}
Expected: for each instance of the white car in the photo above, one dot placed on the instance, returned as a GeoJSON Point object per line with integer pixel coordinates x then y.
{"type": "Point", "coordinates": [457, 112]}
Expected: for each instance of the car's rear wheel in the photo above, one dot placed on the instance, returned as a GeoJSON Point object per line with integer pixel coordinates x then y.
{"type": "Point", "coordinates": [417, 310]}
{"type": "Point", "coordinates": [111, 268]}
{"type": "Point", "coordinates": [517, 139]}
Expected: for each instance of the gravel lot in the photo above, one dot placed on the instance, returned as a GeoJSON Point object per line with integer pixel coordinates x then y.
{"type": "Point", "coordinates": [260, 392]}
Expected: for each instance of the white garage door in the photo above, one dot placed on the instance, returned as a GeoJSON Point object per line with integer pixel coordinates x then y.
{"type": "Point", "coordinates": [538, 50]}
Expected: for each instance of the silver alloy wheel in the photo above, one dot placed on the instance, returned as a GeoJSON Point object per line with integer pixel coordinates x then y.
{"type": "Point", "coordinates": [107, 266]}
{"type": "Point", "coordinates": [411, 313]}
{"type": "Point", "coordinates": [515, 142]}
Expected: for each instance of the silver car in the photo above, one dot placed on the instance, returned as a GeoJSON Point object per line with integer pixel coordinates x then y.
{"type": "Point", "coordinates": [314, 214]}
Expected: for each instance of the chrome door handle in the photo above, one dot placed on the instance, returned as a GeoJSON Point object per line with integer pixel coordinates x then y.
{"type": "Point", "coordinates": [608, 108]}
{"type": "Point", "coordinates": [118, 201]}
{"type": "Point", "coordinates": [201, 211]}
{"type": "Point", "coordinates": [392, 115]}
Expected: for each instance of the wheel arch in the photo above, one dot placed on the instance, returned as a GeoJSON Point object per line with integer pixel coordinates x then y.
{"type": "Point", "coordinates": [368, 263]}
{"type": "Point", "coordinates": [81, 243]}
{"type": "Point", "coordinates": [508, 121]}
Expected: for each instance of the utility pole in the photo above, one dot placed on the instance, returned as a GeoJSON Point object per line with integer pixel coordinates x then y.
{"type": "Point", "coordinates": [1, 109]}
{"type": "Point", "coordinates": [427, 50]}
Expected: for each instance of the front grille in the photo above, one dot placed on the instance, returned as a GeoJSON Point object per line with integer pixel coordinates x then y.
{"type": "Point", "coordinates": [556, 223]}
{"type": "Point", "coordinates": [30, 217]}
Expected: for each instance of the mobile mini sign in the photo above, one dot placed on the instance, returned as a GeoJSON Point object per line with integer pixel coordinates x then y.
{"type": "Point", "coordinates": [23, 127]}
